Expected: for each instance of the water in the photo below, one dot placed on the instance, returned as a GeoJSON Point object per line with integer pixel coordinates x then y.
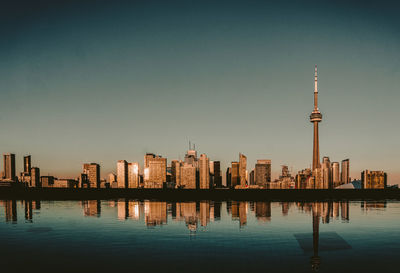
{"type": "Point", "coordinates": [153, 236]}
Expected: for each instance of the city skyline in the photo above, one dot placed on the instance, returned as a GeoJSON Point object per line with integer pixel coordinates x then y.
{"type": "Point", "coordinates": [231, 77]}
{"type": "Point", "coordinates": [154, 174]}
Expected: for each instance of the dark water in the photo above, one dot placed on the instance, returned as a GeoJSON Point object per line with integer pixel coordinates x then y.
{"type": "Point", "coordinates": [207, 236]}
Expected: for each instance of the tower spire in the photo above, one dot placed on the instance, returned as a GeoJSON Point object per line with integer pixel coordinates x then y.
{"type": "Point", "coordinates": [315, 89]}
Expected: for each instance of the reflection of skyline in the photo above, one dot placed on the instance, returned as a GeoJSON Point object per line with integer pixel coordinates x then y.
{"type": "Point", "coordinates": [195, 214]}
{"type": "Point", "coordinates": [91, 208]}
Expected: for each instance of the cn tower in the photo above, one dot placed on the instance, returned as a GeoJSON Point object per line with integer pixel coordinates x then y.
{"type": "Point", "coordinates": [315, 118]}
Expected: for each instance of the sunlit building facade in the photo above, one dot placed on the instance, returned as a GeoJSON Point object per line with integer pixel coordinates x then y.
{"type": "Point", "coordinates": [373, 179]}
{"type": "Point", "coordinates": [204, 172]}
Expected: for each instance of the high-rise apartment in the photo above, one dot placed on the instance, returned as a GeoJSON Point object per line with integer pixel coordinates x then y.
{"type": "Point", "coordinates": [133, 175]}
{"type": "Point", "coordinates": [157, 172]}
{"type": "Point", "coordinates": [204, 172]}
{"type": "Point", "coordinates": [35, 177]}
{"type": "Point", "coordinates": [9, 166]}
{"type": "Point", "coordinates": [262, 173]}
{"type": "Point", "coordinates": [217, 174]}
{"type": "Point", "coordinates": [122, 174]}
{"type": "Point", "coordinates": [326, 173]}
{"type": "Point", "coordinates": [235, 179]}
{"type": "Point", "coordinates": [92, 170]}
{"type": "Point", "coordinates": [373, 179]}
{"type": "Point", "coordinates": [335, 174]}
{"type": "Point", "coordinates": [345, 171]}
{"type": "Point", "coordinates": [242, 170]}
{"type": "Point", "coordinates": [27, 165]}
{"type": "Point", "coordinates": [188, 176]}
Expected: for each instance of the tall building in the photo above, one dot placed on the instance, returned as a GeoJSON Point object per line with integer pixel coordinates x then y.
{"type": "Point", "coordinates": [229, 177]}
{"type": "Point", "coordinates": [35, 177]}
{"type": "Point", "coordinates": [302, 179]}
{"type": "Point", "coordinates": [147, 158]}
{"type": "Point", "coordinates": [335, 174]}
{"type": "Point", "coordinates": [92, 170]}
{"type": "Point", "coordinates": [176, 173]}
{"type": "Point", "coordinates": [157, 172]}
{"type": "Point", "coordinates": [252, 180]}
{"type": "Point", "coordinates": [235, 179]}
{"type": "Point", "coordinates": [326, 173]}
{"type": "Point", "coordinates": [345, 171]}
{"type": "Point", "coordinates": [204, 172]}
{"type": "Point", "coordinates": [133, 175]}
{"type": "Point", "coordinates": [122, 174]}
{"type": "Point", "coordinates": [27, 165]}
{"type": "Point", "coordinates": [242, 170]}
{"type": "Point", "coordinates": [211, 166]}
{"type": "Point", "coordinates": [191, 156]}
{"type": "Point", "coordinates": [315, 118]}
{"type": "Point", "coordinates": [263, 173]}
{"type": "Point", "coordinates": [373, 179]}
{"type": "Point", "coordinates": [188, 176]}
{"type": "Point", "coordinates": [217, 174]}
{"type": "Point", "coordinates": [9, 166]}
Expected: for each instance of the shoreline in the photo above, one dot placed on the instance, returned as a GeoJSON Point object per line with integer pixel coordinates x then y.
{"type": "Point", "coordinates": [193, 195]}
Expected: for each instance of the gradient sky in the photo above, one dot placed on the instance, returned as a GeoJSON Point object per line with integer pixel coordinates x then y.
{"type": "Point", "coordinates": [99, 81]}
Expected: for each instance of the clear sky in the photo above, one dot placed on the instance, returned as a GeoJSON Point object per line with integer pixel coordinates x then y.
{"type": "Point", "coordinates": [99, 81]}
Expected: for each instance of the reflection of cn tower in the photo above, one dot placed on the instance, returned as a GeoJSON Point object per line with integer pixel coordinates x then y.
{"type": "Point", "coordinates": [315, 259]}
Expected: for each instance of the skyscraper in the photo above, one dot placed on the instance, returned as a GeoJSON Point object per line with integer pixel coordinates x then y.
{"type": "Point", "coordinates": [204, 172]}
{"type": "Point", "coordinates": [229, 177]}
{"type": "Point", "coordinates": [176, 172]}
{"type": "Point", "coordinates": [345, 171]}
{"type": "Point", "coordinates": [335, 174]}
{"type": "Point", "coordinates": [263, 173]}
{"type": "Point", "coordinates": [217, 174]}
{"type": "Point", "coordinates": [133, 175]}
{"type": "Point", "coordinates": [122, 174]}
{"type": "Point", "coordinates": [242, 170]}
{"type": "Point", "coordinates": [235, 180]}
{"type": "Point", "coordinates": [187, 176]}
{"type": "Point", "coordinates": [92, 170]}
{"type": "Point", "coordinates": [35, 177]}
{"type": "Point", "coordinates": [9, 166]}
{"type": "Point", "coordinates": [326, 173]}
{"type": "Point", "coordinates": [157, 172]}
{"type": "Point", "coordinates": [315, 118]}
{"type": "Point", "coordinates": [27, 165]}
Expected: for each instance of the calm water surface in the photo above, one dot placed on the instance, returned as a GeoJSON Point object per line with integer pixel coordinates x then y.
{"type": "Point", "coordinates": [207, 236]}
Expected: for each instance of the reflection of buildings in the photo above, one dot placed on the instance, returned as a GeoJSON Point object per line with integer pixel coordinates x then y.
{"type": "Point", "coordinates": [91, 208]}
{"type": "Point", "coordinates": [187, 211]}
{"type": "Point", "coordinates": [128, 209]}
{"type": "Point", "coordinates": [238, 211]}
{"type": "Point", "coordinates": [315, 259]}
{"type": "Point", "coordinates": [10, 209]}
{"type": "Point", "coordinates": [204, 213]}
{"type": "Point", "coordinates": [242, 213]}
{"type": "Point", "coordinates": [285, 208]}
{"type": "Point", "coordinates": [155, 213]}
{"type": "Point", "coordinates": [263, 211]}
{"type": "Point", "coordinates": [373, 205]}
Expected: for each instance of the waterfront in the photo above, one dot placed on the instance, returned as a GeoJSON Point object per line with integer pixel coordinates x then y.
{"type": "Point", "coordinates": [230, 236]}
